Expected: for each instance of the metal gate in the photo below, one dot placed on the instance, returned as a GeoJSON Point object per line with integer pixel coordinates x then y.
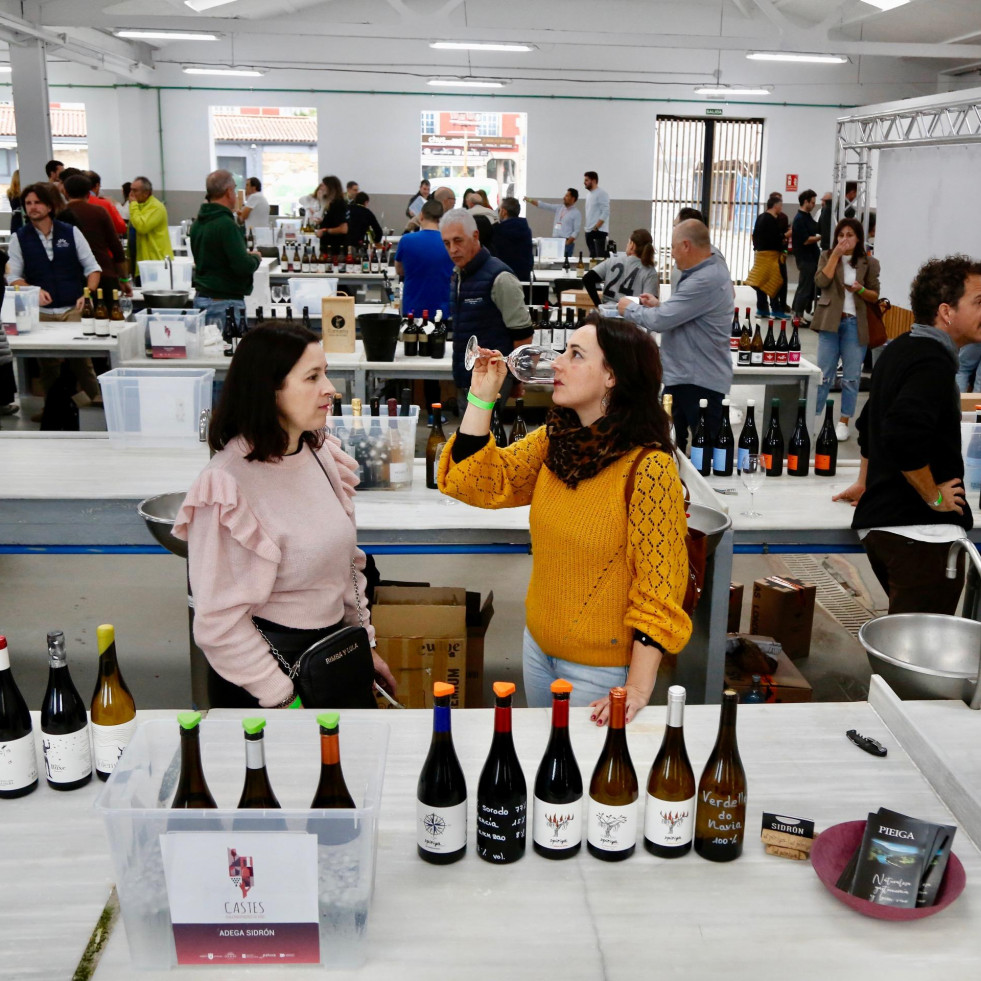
{"type": "Point", "coordinates": [713, 165]}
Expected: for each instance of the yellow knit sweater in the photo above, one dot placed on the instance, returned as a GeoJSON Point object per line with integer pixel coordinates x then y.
{"type": "Point", "coordinates": [598, 573]}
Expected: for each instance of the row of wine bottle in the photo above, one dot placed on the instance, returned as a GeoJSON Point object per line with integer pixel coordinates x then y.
{"type": "Point", "coordinates": [424, 338]}
{"type": "Point", "coordinates": [747, 346]}
{"type": "Point", "coordinates": [384, 456]}
{"type": "Point", "coordinates": [309, 260]}
{"type": "Point", "coordinates": [100, 319]}
{"type": "Point", "coordinates": [718, 455]}
{"type": "Point", "coordinates": [69, 754]}
{"type": "Point", "coordinates": [713, 814]}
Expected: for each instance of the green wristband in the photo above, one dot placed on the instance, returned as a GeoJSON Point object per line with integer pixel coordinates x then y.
{"type": "Point", "coordinates": [861, 290]}
{"type": "Point", "coordinates": [938, 501]}
{"type": "Point", "coordinates": [480, 403]}
{"type": "Point", "coordinates": [295, 704]}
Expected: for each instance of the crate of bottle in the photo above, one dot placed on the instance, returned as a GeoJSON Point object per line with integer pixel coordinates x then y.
{"type": "Point", "coordinates": [383, 445]}
{"type": "Point", "coordinates": [145, 832]}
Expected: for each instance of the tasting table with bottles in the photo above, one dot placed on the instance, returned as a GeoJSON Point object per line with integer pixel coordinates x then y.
{"type": "Point", "coordinates": [758, 917]}
{"type": "Point", "coordinates": [59, 340]}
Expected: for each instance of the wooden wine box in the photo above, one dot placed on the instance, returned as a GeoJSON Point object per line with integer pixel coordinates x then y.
{"type": "Point", "coordinates": [783, 608]}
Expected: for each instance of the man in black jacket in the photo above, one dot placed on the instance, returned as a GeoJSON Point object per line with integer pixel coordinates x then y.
{"type": "Point", "coordinates": [511, 240]}
{"type": "Point", "coordinates": [909, 498]}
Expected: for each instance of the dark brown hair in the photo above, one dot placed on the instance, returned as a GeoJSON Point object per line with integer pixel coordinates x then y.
{"type": "Point", "coordinates": [45, 193]}
{"type": "Point", "coordinates": [643, 245]}
{"type": "Point", "coordinates": [856, 226]}
{"type": "Point", "coordinates": [247, 407]}
{"type": "Point", "coordinates": [940, 281]}
{"type": "Point", "coordinates": [632, 355]}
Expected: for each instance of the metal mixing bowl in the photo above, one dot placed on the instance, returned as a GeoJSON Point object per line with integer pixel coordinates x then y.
{"type": "Point", "coordinates": [713, 524]}
{"type": "Point", "coordinates": [166, 299]}
{"type": "Point", "coordinates": [159, 514]}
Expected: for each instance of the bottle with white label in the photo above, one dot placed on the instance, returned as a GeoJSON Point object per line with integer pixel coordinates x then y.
{"type": "Point", "coordinates": [557, 811]}
{"type": "Point", "coordinates": [441, 794]}
{"type": "Point", "coordinates": [399, 472]}
{"type": "Point", "coordinates": [611, 825]}
{"type": "Point", "coordinates": [101, 315]}
{"type": "Point", "coordinates": [18, 761]}
{"type": "Point", "coordinates": [669, 819]}
{"type": "Point", "coordinates": [88, 313]}
{"type": "Point", "coordinates": [113, 708]}
{"type": "Point", "coordinates": [64, 724]}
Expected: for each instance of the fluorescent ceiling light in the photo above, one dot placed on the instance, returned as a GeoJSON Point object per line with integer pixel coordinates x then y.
{"type": "Point", "coordinates": [479, 46]}
{"type": "Point", "coordinates": [218, 70]}
{"type": "Point", "coordinates": [886, 4]}
{"type": "Point", "coordinates": [814, 59]}
{"type": "Point", "coordinates": [200, 5]}
{"type": "Point", "coordinates": [166, 35]}
{"type": "Point", "coordinates": [469, 83]}
{"type": "Point", "coordinates": [724, 90]}
{"type": "Point", "coordinates": [4, 69]}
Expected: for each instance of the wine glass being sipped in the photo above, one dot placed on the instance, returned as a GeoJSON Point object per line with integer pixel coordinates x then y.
{"type": "Point", "coordinates": [528, 363]}
{"type": "Point", "coordinates": [752, 474]}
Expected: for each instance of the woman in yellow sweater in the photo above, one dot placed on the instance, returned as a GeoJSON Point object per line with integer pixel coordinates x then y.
{"type": "Point", "coordinates": [609, 573]}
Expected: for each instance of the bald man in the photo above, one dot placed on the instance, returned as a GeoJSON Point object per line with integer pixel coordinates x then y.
{"type": "Point", "coordinates": [694, 323]}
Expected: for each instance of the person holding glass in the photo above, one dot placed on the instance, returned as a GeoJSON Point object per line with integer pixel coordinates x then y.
{"type": "Point", "coordinates": [610, 563]}
{"type": "Point", "coordinates": [849, 280]}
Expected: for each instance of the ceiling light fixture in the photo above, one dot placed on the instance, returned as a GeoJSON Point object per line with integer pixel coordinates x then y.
{"type": "Point", "coordinates": [469, 83]}
{"type": "Point", "coordinates": [886, 4]}
{"type": "Point", "coordinates": [4, 69]}
{"type": "Point", "coordinates": [200, 5]}
{"type": "Point", "coordinates": [165, 35]}
{"type": "Point", "coordinates": [218, 70]}
{"type": "Point", "coordinates": [724, 90]}
{"type": "Point", "coordinates": [479, 46]}
{"type": "Point", "coordinates": [813, 59]}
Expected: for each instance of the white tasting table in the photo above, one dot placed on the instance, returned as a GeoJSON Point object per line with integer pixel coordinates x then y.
{"type": "Point", "coordinates": [427, 368]}
{"type": "Point", "coordinates": [760, 917]}
{"type": "Point", "coordinates": [58, 340]}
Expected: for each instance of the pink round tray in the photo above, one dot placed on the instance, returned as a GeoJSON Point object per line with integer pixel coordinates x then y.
{"type": "Point", "coordinates": [830, 854]}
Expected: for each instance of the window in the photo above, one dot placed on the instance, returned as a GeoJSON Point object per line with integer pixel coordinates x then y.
{"type": "Point", "coordinates": [489, 124]}
{"type": "Point", "coordinates": [428, 122]}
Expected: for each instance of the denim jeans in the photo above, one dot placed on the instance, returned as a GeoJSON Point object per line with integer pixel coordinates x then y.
{"type": "Point", "coordinates": [569, 249]}
{"type": "Point", "coordinates": [832, 345]}
{"type": "Point", "coordinates": [218, 309]}
{"type": "Point", "coordinates": [970, 358]}
{"type": "Point", "coordinates": [588, 681]}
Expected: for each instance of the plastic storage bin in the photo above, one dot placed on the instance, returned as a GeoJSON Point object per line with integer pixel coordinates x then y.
{"type": "Point", "coordinates": [154, 274]}
{"type": "Point", "coordinates": [135, 806]}
{"type": "Point", "coordinates": [382, 474]}
{"type": "Point", "coordinates": [192, 320]}
{"type": "Point", "coordinates": [155, 406]}
{"type": "Point", "coordinates": [21, 309]}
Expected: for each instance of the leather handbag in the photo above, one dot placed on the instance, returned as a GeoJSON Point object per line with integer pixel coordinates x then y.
{"type": "Point", "coordinates": [875, 314]}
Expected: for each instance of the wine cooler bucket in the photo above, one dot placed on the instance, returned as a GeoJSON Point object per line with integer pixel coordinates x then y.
{"type": "Point", "coordinates": [382, 474]}
{"type": "Point", "coordinates": [236, 889]}
{"type": "Point", "coordinates": [380, 333]}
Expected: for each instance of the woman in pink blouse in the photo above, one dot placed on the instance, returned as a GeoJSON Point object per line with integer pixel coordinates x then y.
{"type": "Point", "coordinates": [269, 522]}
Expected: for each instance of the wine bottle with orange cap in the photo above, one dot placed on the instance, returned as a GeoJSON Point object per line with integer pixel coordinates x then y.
{"type": "Point", "coordinates": [502, 797]}
{"type": "Point", "coordinates": [441, 794]}
{"type": "Point", "coordinates": [557, 811]}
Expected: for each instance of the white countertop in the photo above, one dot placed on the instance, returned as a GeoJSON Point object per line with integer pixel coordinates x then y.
{"type": "Point", "coordinates": [58, 336]}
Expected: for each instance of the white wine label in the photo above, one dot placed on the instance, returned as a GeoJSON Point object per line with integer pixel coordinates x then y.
{"type": "Point", "coordinates": [67, 758]}
{"type": "Point", "coordinates": [669, 822]}
{"type": "Point", "coordinates": [18, 763]}
{"type": "Point", "coordinates": [557, 826]}
{"type": "Point", "coordinates": [398, 473]}
{"type": "Point", "coordinates": [612, 829]}
{"type": "Point", "coordinates": [441, 830]}
{"type": "Point", "coordinates": [108, 743]}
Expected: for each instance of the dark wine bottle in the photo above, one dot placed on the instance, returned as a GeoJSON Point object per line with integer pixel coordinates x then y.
{"type": "Point", "coordinates": [405, 402]}
{"type": "Point", "coordinates": [722, 449]}
{"type": "Point", "coordinates": [502, 797]}
{"type": "Point", "coordinates": [611, 826]}
{"type": "Point", "coordinates": [793, 350]}
{"type": "Point", "coordinates": [772, 446]}
{"type": "Point", "coordinates": [64, 724]}
{"type": "Point", "coordinates": [769, 347]}
{"type": "Point", "coordinates": [557, 813]}
{"type": "Point", "coordinates": [519, 429]}
{"type": "Point", "coordinates": [670, 816]}
{"type": "Point", "coordinates": [331, 790]}
{"type": "Point", "coordinates": [337, 420]}
{"type": "Point", "coordinates": [745, 354]}
{"type": "Point", "coordinates": [756, 347]}
{"type": "Point", "coordinates": [799, 448]}
{"type": "Point", "coordinates": [257, 792]}
{"type": "Point", "coordinates": [410, 336]}
{"type": "Point", "coordinates": [441, 794]}
{"type": "Point", "coordinates": [18, 759]}
{"type": "Point", "coordinates": [734, 335]}
{"type": "Point", "coordinates": [357, 446]}
{"type": "Point", "coordinates": [720, 814]}
{"type": "Point", "coordinates": [113, 708]}
{"type": "Point", "coordinates": [749, 438]}
{"type": "Point", "coordinates": [497, 425]}
{"type": "Point", "coordinates": [826, 445]}
{"type": "Point", "coordinates": [192, 788]}
{"type": "Point", "coordinates": [783, 348]}
{"type": "Point", "coordinates": [701, 448]}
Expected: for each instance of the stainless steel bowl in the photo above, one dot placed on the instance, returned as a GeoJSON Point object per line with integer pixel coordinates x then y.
{"type": "Point", "coordinates": [159, 514]}
{"type": "Point", "coordinates": [713, 524]}
{"type": "Point", "coordinates": [924, 655]}
{"type": "Point", "coordinates": [166, 299]}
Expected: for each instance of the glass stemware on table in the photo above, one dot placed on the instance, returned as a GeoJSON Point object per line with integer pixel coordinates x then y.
{"type": "Point", "coordinates": [752, 474]}
{"type": "Point", "coordinates": [529, 363]}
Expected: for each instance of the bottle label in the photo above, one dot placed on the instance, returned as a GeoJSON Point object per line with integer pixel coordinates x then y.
{"type": "Point", "coordinates": [743, 458]}
{"type": "Point", "coordinates": [783, 357]}
{"type": "Point", "coordinates": [791, 461]}
{"type": "Point", "coordinates": [108, 743]}
{"type": "Point", "coordinates": [557, 826]}
{"type": "Point", "coordinates": [756, 357]}
{"type": "Point", "coordinates": [610, 828]}
{"type": "Point", "coordinates": [822, 461]}
{"type": "Point", "coordinates": [669, 822]}
{"type": "Point", "coordinates": [769, 357]}
{"type": "Point", "coordinates": [501, 830]}
{"type": "Point", "coordinates": [697, 456]}
{"type": "Point", "coordinates": [719, 459]}
{"type": "Point", "coordinates": [744, 357]}
{"type": "Point", "coordinates": [441, 830]}
{"type": "Point", "coordinates": [398, 473]}
{"type": "Point", "coordinates": [734, 343]}
{"type": "Point", "coordinates": [794, 357]}
{"type": "Point", "coordinates": [18, 763]}
{"type": "Point", "coordinates": [67, 758]}
{"type": "Point", "coordinates": [767, 461]}
{"type": "Point", "coordinates": [723, 816]}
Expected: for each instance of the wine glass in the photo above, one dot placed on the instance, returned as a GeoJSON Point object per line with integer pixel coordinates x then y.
{"type": "Point", "coordinates": [125, 306]}
{"type": "Point", "coordinates": [752, 474]}
{"type": "Point", "coordinates": [528, 363]}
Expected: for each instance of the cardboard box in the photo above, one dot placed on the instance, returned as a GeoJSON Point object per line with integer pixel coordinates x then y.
{"type": "Point", "coordinates": [735, 607]}
{"type": "Point", "coordinates": [783, 608]}
{"type": "Point", "coordinates": [422, 634]}
{"type": "Point", "coordinates": [968, 402]}
{"type": "Point", "coordinates": [783, 684]}
{"type": "Point", "coordinates": [339, 323]}
{"type": "Point", "coordinates": [577, 298]}
{"type": "Point", "coordinates": [478, 620]}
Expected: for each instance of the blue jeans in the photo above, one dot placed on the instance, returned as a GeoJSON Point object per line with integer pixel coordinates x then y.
{"type": "Point", "coordinates": [832, 345]}
{"type": "Point", "coordinates": [970, 358]}
{"type": "Point", "coordinates": [588, 682]}
{"type": "Point", "coordinates": [216, 310]}
{"type": "Point", "coordinates": [569, 248]}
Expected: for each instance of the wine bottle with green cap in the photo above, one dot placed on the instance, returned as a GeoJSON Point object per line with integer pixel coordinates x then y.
{"type": "Point", "coordinates": [257, 792]}
{"type": "Point", "coordinates": [113, 708]}
{"type": "Point", "coordinates": [331, 790]}
{"type": "Point", "coordinates": [192, 788]}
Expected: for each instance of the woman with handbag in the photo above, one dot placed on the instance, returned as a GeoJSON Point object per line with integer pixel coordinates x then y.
{"type": "Point", "coordinates": [610, 566]}
{"type": "Point", "coordinates": [841, 315]}
{"type": "Point", "coordinates": [272, 544]}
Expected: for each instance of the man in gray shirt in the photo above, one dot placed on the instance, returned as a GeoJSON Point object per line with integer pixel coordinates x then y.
{"type": "Point", "coordinates": [597, 215]}
{"type": "Point", "coordinates": [694, 323]}
{"type": "Point", "coordinates": [567, 220]}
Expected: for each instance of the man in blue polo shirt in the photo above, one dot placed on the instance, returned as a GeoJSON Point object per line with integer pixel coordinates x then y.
{"type": "Point", "coordinates": [424, 266]}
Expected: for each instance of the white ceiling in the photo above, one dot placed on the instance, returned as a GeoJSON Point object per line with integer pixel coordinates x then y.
{"type": "Point", "coordinates": [584, 47]}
